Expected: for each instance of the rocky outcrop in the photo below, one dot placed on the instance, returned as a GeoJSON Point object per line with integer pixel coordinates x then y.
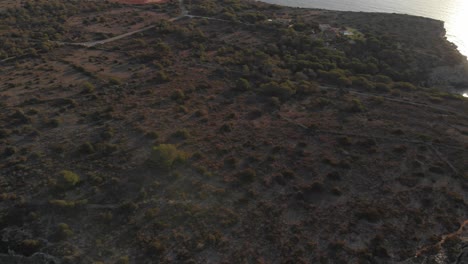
{"type": "Point", "coordinates": [455, 78]}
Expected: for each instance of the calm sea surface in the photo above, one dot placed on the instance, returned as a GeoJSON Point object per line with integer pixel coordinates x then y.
{"type": "Point", "coordinates": [453, 12]}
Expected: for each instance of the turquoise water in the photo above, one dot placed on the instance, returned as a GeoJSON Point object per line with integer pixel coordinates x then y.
{"type": "Point", "coordinates": [453, 12]}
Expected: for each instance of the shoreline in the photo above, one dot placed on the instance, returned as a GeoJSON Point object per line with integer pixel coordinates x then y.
{"type": "Point", "coordinates": [450, 37]}
{"type": "Point", "coordinates": [451, 77]}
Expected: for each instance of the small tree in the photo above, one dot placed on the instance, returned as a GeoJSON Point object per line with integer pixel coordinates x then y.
{"type": "Point", "coordinates": [166, 156]}
{"type": "Point", "coordinates": [281, 90]}
{"type": "Point", "coordinates": [88, 87]}
{"type": "Point", "coordinates": [242, 85]}
{"type": "Point", "coordinates": [68, 179]}
{"type": "Point", "coordinates": [404, 86]}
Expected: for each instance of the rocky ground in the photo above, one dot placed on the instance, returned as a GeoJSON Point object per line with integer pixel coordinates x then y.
{"type": "Point", "coordinates": [229, 140]}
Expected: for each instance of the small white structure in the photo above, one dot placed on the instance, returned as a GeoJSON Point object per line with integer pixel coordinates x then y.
{"type": "Point", "coordinates": [324, 27]}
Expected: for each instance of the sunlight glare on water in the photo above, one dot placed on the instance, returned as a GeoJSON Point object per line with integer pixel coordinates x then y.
{"type": "Point", "coordinates": [457, 25]}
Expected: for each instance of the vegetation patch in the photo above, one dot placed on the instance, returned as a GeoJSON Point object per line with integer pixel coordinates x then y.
{"type": "Point", "coordinates": [166, 157]}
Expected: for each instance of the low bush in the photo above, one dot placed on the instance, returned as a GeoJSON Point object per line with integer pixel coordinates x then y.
{"type": "Point", "coordinates": [54, 122]}
{"type": "Point", "coordinates": [123, 260]}
{"type": "Point", "coordinates": [67, 203]}
{"type": "Point", "coordinates": [4, 133]}
{"type": "Point", "coordinates": [246, 176]}
{"type": "Point", "coordinates": [28, 247]}
{"type": "Point", "coordinates": [404, 86]}
{"type": "Point", "coordinates": [281, 90]}
{"type": "Point", "coordinates": [67, 179]}
{"type": "Point", "coordinates": [63, 231]}
{"type": "Point", "coordinates": [355, 106]}
{"type": "Point", "coordinates": [383, 87]}
{"type": "Point", "coordinates": [114, 81]}
{"type": "Point", "coordinates": [307, 88]}
{"type": "Point", "coordinates": [178, 95]}
{"type": "Point", "coordinates": [181, 134]}
{"type": "Point", "coordinates": [86, 148]}
{"type": "Point", "coordinates": [88, 87]}
{"type": "Point", "coordinates": [9, 151]}
{"type": "Point", "coordinates": [166, 156]}
{"type": "Point", "coordinates": [242, 85]}
{"type": "Point", "coordinates": [152, 135]}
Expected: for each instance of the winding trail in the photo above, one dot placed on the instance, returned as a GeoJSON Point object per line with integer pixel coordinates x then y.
{"type": "Point", "coordinates": [462, 256]}
{"type": "Point", "coordinates": [183, 13]}
{"type": "Point", "coordinates": [90, 44]}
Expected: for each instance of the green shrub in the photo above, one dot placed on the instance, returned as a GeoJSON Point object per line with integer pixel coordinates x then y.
{"type": "Point", "coordinates": [86, 148]}
{"type": "Point", "coordinates": [63, 231]}
{"type": "Point", "coordinates": [166, 156]}
{"type": "Point", "coordinates": [106, 217]}
{"type": "Point", "coordinates": [178, 95]}
{"type": "Point", "coordinates": [161, 77]}
{"type": "Point", "coordinates": [67, 203]}
{"type": "Point", "coordinates": [344, 141]}
{"type": "Point", "coordinates": [54, 122]}
{"type": "Point", "coordinates": [108, 133]}
{"type": "Point", "coordinates": [96, 179]}
{"type": "Point", "coordinates": [281, 90]}
{"type": "Point", "coordinates": [4, 133]}
{"type": "Point", "coordinates": [370, 214]}
{"type": "Point", "coordinates": [361, 82]}
{"type": "Point", "coordinates": [156, 247]}
{"type": "Point", "coordinates": [123, 260]}
{"type": "Point", "coordinates": [435, 99]}
{"type": "Point", "coordinates": [335, 76]}
{"type": "Point", "coordinates": [404, 86]}
{"type": "Point", "coordinates": [343, 82]}
{"type": "Point", "coordinates": [68, 179]}
{"type": "Point", "coordinates": [88, 87]}
{"type": "Point", "coordinates": [225, 128]}
{"type": "Point", "coordinates": [242, 85]}
{"type": "Point", "coordinates": [21, 117]}
{"type": "Point", "coordinates": [356, 106]}
{"type": "Point", "coordinates": [383, 79]}
{"type": "Point", "coordinates": [377, 100]}
{"type": "Point", "coordinates": [182, 109]}
{"type": "Point", "coordinates": [114, 81]}
{"type": "Point", "coordinates": [396, 93]}
{"type": "Point", "coordinates": [29, 246]}
{"type": "Point", "coordinates": [151, 213]}
{"type": "Point", "coordinates": [152, 135]}
{"type": "Point", "coordinates": [62, 203]}
{"type": "Point", "coordinates": [181, 134]}
{"type": "Point", "coordinates": [382, 87]}
{"type": "Point", "coordinates": [307, 88]}
{"type": "Point", "coordinates": [9, 151]}
{"type": "Point", "coordinates": [32, 111]}
{"type": "Point", "coordinates": [246, 176]}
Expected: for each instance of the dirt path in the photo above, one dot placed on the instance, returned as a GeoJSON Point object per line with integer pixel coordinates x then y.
{"type": "Point", "coordinates": [399, 100]}
{"type": "Point", "coordinates": [89, 44]}
{"type": "Point", "coordinates": [184, 13]}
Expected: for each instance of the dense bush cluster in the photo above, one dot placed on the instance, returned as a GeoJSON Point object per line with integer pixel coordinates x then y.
{"type": "Point", "coordinates": [32, 26]}
{"type": "Point", "coordinates": [166, 156]}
